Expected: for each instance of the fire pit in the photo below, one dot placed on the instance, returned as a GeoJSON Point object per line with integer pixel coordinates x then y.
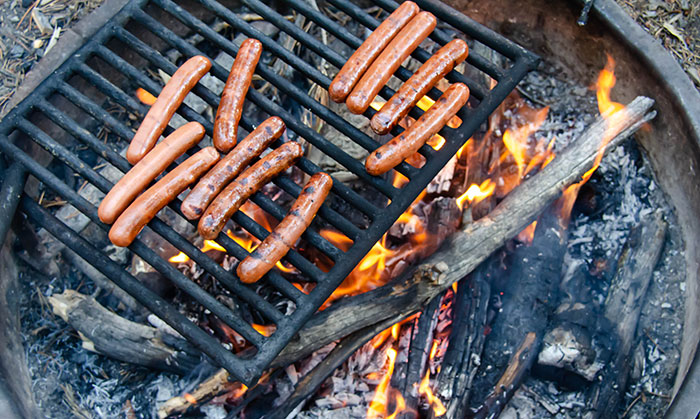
{"type": "Point", "coordinates": [263, 317]}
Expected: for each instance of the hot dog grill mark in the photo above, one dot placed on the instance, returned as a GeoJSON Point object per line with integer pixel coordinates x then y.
{"type": "Point", "coordinates": [230, 166]}
{"type": "Point", "coordinates": [362, 58]}
{"type": "Point", "coordinates": [169, 99]}
{"type": "Point", "coordinates": [146, 170]}
{"type": "Point", "coordinates": [147, 205]}
{"type": "Point", "coordinates": [250, 181]}
{"type": "Point", "coordinates": [231, 105]}
{"type": "Point", "coordinates": [389, 155]}
{"type": "Point", "coordinates": [282, 238]}
{"type": "Point", "coordinates": [389, 60]}
{"type": "Point", "coordinates": [427, 76]}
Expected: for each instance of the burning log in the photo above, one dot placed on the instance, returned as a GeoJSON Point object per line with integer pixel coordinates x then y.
{"type": "Point", "coordinates": [467, 248]}
{"type": "Point", "coordinates": [109, 334]}
{"type": "Point", "coordinates": [511, 379]}
{"type": "Point", "coordinates": [622, 308]}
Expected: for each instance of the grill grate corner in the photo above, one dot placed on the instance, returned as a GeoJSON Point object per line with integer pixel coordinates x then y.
{"type": "Point", "coordinates": [245, 367]}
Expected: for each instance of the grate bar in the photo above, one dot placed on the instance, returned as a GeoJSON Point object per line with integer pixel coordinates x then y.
{"type": "Point", "coordinates": [273, 109]}
{"type": "Point", "coordinates": [104, 185]}
{"type": "Point", "coordinates": [143, 295]}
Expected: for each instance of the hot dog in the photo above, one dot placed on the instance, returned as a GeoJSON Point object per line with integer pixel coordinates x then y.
{"type": "Point", "coordinates": [362, 58]}
{"type": "Point", "coordinates": [389, 155]}
{"type": "Point", "coordinates": [288, 231]}
{"type": "Point", "coordinates": [143, 173]}
{"type": "Point", "coordinates": [169, 99]}
{"type": "Point", "coordinates": [245, 185]}
{"type": "Point", "coordinates": [231, 105]}
{"type": "Point", "coordinates": [230, 166]}
{"type": "Point", "coordinates": [147, 205]}
{"type": "Point", "coordinates": [418, 85]}
{"type": "Point", "coordinates": [389, 60]}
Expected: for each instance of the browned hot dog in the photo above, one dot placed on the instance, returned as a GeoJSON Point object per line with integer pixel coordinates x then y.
{"type": "Point", "coordinates": [231, 105]}
{"type": "Point", "coordinates": [230, 166]}
{"type": "Point", "coordinates": [441, 63]}
{"type": "Point", "coordinates": [245, 185]}
{"type": "Point", "coordinates": [395, 151]}
{"type": "Point", "coordinates": [288, 231]}
{"type": "Point", "coordinates": [147, 205]}
{"type": "Point", "coordinates": [362, 58]}
{"type": "Point", "coordinates": [149, 168]}
{"type": "Point", "coordinates": [169, 99]}
{"type": "Point", "coordinates": [389, 60]}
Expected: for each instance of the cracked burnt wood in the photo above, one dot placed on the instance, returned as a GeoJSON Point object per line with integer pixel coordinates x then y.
{"type": "Point", "coordinates": [623, 306]}
{"type": "Point", "coordinates": [107, 333]}
{"type": "Point", "coordinates": [462, 252]}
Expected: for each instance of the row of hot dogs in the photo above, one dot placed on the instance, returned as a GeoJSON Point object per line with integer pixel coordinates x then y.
{"type": "Point", "coordinates": [372, 65]}
{"type": "Point", "coordinates": [224, 184]}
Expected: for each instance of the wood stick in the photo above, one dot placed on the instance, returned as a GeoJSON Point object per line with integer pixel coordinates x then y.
{"type": "Point", "coordinates": [466, 249]}
{"type": "Point", "coordinates": [623, 306]}
{"type": "Point", "coordinates": [109, 334]}
{"type": "Point", "coordinates": [511, 379]}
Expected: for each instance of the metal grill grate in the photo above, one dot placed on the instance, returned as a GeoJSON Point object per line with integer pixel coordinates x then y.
{"type": "Point", "coordinates": [245, 368]}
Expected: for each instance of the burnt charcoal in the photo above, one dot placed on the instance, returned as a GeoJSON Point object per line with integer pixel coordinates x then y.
{"type": "Point", "coordinates": [157, 283]}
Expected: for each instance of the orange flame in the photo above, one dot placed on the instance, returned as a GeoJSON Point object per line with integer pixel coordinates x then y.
{"type": "Point", "coordinates": [378, 406]}
{"type": "Point", "coordinates": [476, 193]}
{"type": "Point", "coordinates": [609, 110]}
{"type": "Point", "coordinates": [212, 245]}
{"type": "Point", "coordinates": [145, 97]}
{"type": "Point", "coordinates": [528, 234]}
{"type": "Point", "coordinates": [265, 329]}
{"type": "Point", "coordinates": [434, 401]}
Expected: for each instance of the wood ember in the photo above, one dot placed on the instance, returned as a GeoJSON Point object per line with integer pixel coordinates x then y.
{"type": "Point", "coordinates": [109, 334]}
{"type": "Point", "coordinates": [622, 308]}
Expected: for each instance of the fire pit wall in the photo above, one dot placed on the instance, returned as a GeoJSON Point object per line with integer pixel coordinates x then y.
{"type": "Point", "coordinates": [671, 143]}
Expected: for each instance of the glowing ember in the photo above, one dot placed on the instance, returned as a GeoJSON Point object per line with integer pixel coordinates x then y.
{"type": "Point", "coordinates": [145, 97]}
{"type": "Point", "coordinates": [378, 406]}
{"type": "Point", "coordinates": [190, 398]}
{"type": "Point", "coordinates": [179, 258]}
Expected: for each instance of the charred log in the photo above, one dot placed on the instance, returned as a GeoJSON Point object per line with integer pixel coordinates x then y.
{"type": "Point", "coordinates": [109, 334]}
{"type": "Point", "coordinates": [622, 308]}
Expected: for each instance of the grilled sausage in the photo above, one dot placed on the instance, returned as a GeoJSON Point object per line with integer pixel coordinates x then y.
{"type": "Point", "coordinates": [389, 155]}
{"type": "Point", "coordinates": [245, 185]}
{"type": "Point", "coordinates": [418, 85]}
{"type": "Point", "coordinates": [362, 58]}
{"type": "Point", "coordinates": [143, 173]}
{"type": "Point", "coordinates": [282, 238]}
{"type": "Point", "coordinates": [230, 166]}
{"type": "Point", "coordinates": [231, 105]}
{"type": "Point", "coordinates": [169, 99]}
{"type": "Point", "coordinates": [389, 60]}
{"type": "Point", "coordinates": [147, 205]}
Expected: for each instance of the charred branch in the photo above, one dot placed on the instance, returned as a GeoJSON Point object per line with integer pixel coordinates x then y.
{"type": "Point", "coordinates": [623, 306]}
{"type": "Point", "coordinates": [467, 248]}
{"type": "Point", "coordinates": [109, 334]}
{"type": "Point", "coordinates": [511, 379]}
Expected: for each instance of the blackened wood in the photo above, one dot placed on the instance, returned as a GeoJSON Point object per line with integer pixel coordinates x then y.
{"type": "Point", "coordinates": [418, 356]}
{"type": "Point", "coordinates": [308, 385]}
{"type": "Point", "coordinates": [467, 248]}
{"type": "Point", "coordinates": [465, 347]}
{"type": "Point", "coordinates": [107, 333]}
{"type": "Point", "coordinates": [511, 379]}
{"type": "Point", "coordinates": [622, 308]}
{"type": "Point", "coordinates": [529, 298]}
